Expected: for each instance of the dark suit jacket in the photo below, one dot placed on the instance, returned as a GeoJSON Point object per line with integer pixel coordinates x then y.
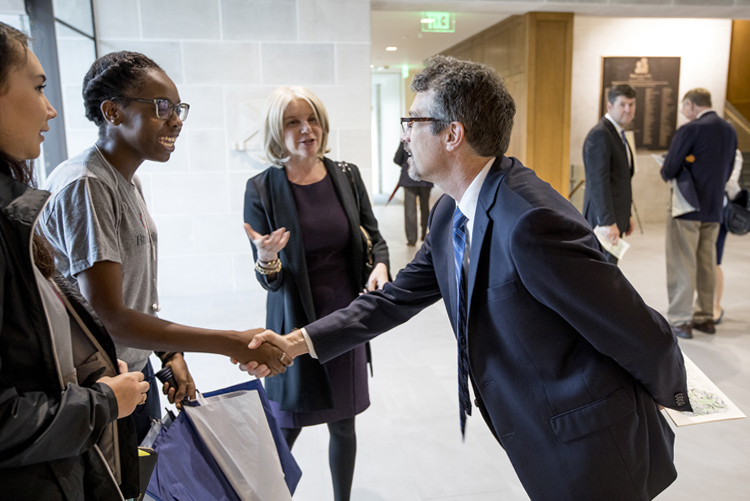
{"type": "Point", "coordinates": [713, 143]}
{"type": "Point", "coordinates": [608, 193]}
{"type": "Point", "coordinates": [566, 359]}
{"type": "Point", "coordinates": [269, 205]}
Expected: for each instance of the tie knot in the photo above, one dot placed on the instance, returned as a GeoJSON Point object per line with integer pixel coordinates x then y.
{"type": "Point", "coordinates": [459, 220]}
{"type": "Point", "coordinates": [622, 133]}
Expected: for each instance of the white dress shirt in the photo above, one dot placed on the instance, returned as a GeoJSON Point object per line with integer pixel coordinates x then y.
{"type": "Point", "coordinates": [619, 133]}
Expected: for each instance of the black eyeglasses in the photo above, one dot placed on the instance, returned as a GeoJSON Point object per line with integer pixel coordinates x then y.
{"type": "Point", "coordinates": [164, 107]}
{"type": "Point", "coordinates": [408, 122]}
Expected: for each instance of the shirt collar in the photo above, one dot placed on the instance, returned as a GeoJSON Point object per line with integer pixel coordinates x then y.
{"type": "Point", "coordinates": [617, 126]}
{"type": "Point", "coordinates": [709, 110]}
{"type": "Point", "coordinates": [468, 204]}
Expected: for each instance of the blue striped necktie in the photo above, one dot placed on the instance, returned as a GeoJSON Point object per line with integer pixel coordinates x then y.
{"type": "Point", "coordinates": [459, 246]}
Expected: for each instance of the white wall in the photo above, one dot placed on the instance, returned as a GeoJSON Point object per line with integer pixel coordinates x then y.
{"type": "Point", "coordinates": [702, 45]}
{"type": "Point", "coordinates": [221, 53]}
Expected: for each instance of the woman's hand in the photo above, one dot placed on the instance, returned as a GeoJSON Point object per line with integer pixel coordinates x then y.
{"type": "Point", "coordinates": [378, 277]}
{"type": "Point", "coordinates": [185, 383]}
{"type": "Point", "coordinates": [268, 246]}
{"type": "Point", "coordinates": [129, 387]}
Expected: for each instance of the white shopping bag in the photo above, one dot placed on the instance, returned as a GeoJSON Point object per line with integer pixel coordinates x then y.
{"type": "Point", "coordinates": [234, 428]}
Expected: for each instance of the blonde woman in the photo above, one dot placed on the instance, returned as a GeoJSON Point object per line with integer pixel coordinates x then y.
{"type": "Point", "coordinates": [303, 217]}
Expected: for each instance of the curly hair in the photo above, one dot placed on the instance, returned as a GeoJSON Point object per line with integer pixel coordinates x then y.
{"type": "Point", "coordinates": [470, 93]}
{"type": "Point", "coordinates": [113, 75]}
{"type": "Point", "coordinates": [13, 45]}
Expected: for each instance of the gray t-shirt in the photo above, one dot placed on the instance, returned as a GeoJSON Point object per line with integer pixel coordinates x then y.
{"type": "Point", "coordinates": [95, 215]}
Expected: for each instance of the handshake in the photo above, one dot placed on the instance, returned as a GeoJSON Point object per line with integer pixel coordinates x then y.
{"type": "Point", "coordinates": [266, 353]}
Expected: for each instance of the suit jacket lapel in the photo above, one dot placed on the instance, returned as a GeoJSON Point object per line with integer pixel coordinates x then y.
{"type": "Point", "coordinates": [487, 197]}
{"type": "Point", "coordinates": [348, 201]}
{"type": "Point", "coordinates": [285, 215]}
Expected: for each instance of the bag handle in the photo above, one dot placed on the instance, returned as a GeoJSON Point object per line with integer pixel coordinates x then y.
{"type": "Point", "coordinates": [344, 166]}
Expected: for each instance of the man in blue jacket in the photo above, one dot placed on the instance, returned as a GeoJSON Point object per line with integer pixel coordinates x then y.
{"type": "Point", "coordinates": [700, 159]}
{"type": "Point", "coordinates": [566, 360]}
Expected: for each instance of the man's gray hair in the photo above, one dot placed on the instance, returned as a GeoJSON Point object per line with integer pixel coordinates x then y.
{"type": "Point", "coordinates": [699, 97]}
{"type": "Point", "coordinates": [470, 93]}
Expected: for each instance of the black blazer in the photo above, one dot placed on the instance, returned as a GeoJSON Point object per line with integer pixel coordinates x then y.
{"type": "Point", "coordinates": [608, 193]}
{"type": "Point", "coordinates": [565, 357]}
{"type": "Point", "coordinates": [713, 143]}
{"type": "Point", "coordinates": [269, 205]}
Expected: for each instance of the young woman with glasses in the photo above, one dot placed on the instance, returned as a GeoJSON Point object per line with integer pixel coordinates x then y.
{"type": "Point", "coordinates": [61, 388]}
{"type": "Point", "coordinates": [303, 217]}
{"type": "Point", "coordinates": [105, 239]}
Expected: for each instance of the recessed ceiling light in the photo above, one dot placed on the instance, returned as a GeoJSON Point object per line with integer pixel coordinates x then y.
{"type": "Point", "coordinates": [372, 66]}
{"type": "Point", "coordinates": [391, 48]}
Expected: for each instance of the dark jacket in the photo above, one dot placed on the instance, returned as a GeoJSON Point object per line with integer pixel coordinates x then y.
{"type": "Point", "coordinates": [608, 194]}
{"type": "Point", "coordinates": [402, 158]}
{"type": "Point", "coordinates": [56, 442]}
{"type": "Point", "coordinates": [566, 359]}
{"type": "Point", "coordinates": [713, 143]}
{"type": "Point", "coordinates": [269, 205]}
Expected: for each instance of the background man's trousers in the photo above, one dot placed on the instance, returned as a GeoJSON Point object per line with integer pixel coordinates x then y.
{"type": "Point", "coordinates": [691, 267]}
{"type": "Point", "coordinates": [410, 211]}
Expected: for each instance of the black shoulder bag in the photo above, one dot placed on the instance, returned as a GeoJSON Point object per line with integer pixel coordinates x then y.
{"type": "Point", "coordinates": [737, 214]}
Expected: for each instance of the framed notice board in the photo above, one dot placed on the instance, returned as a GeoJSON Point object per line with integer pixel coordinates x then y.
{"type": "Point", "coordinates": [655, 80]}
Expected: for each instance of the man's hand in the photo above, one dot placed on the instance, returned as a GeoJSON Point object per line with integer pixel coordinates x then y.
{"type": "Point", "coordinates": [612, 232]}
{"type": "Point", "coordinates": [185, 383]}
{"type": "Point", "coordinates": [631, 227]}
{"type": "Point", "coordinates": [378, 277]}
{"type": "Point", "coordinates": [129, 387]}
{"type": "Point", "coordinates": [268, 246]}
{"type": "Point", "coordinates": [293, 344]}
{"type": "Point", "coordinates": [260, 360]}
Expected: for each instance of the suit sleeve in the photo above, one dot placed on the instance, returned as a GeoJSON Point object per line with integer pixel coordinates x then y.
{"type": "Point", "coordinates": [368, 221]}
{"type": "Point", "coordinates": [256, 216]}
{"type": "Point", "coordinates": [678, 150]}
{"type": "Point", "coordinates": [414, 289]}
{"type": "Point", "coordinates": [558, 263]}
{"type": "Point", "coordinates": [597, 156]}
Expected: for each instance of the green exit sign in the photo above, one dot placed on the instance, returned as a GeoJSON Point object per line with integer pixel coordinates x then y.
{"type": "Point", "coordinates": [438, 22]}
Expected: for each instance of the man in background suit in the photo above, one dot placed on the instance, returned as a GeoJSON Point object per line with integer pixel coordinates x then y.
{"type": "Point", "coordinates": [608, 161]}
{"type": "Point", "coordinates": [700, 158]}
{"type": "Point", "coordinates": [413, 189]}
{"type": "Point", "coordinates": [565, 359]}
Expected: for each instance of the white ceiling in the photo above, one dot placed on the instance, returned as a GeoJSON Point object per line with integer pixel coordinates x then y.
{"type": "Point", "coordinates": [396, 22]}
{"type": "Point", "coordinates": [402, 29]}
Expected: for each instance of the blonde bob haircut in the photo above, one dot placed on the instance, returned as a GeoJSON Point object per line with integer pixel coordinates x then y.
{"type": "Point", "coordinates": [272, 135]}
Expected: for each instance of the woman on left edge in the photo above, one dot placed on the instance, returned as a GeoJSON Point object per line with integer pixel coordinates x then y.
{"type": "Point", "coordinates": [65, 430]}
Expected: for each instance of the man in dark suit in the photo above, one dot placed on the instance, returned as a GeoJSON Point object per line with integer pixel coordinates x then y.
{"type": "Point", "coordinates": [566, 361]}
{"type": "Point", "coordinates": [608, 161]}
{"type": "Point", "coordinates": [700, 159]}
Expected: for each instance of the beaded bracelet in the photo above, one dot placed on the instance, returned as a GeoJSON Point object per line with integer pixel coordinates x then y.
{"type": "Point", "coordinates": [273, 267]}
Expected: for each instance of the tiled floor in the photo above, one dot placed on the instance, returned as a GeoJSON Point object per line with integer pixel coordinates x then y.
{"type": "Point", "coordinates": [409, 445]}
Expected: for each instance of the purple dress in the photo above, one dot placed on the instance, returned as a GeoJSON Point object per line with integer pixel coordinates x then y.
{"type": "Point", "coordinates": [325, 237]}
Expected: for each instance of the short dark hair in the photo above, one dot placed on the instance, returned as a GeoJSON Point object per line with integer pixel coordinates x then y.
{"type": "Point", "coordinates": [620, 90]}
{"type": "Point", "coordinates": [699, 97]}
{"type": "Point", "coordinates": [470, 93]}
{"type": "Point", "coordinates": [113, 75]}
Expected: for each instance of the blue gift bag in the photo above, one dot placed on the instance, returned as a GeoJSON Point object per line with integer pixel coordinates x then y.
{"type": "Point", "coordinates": [186, 469]}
